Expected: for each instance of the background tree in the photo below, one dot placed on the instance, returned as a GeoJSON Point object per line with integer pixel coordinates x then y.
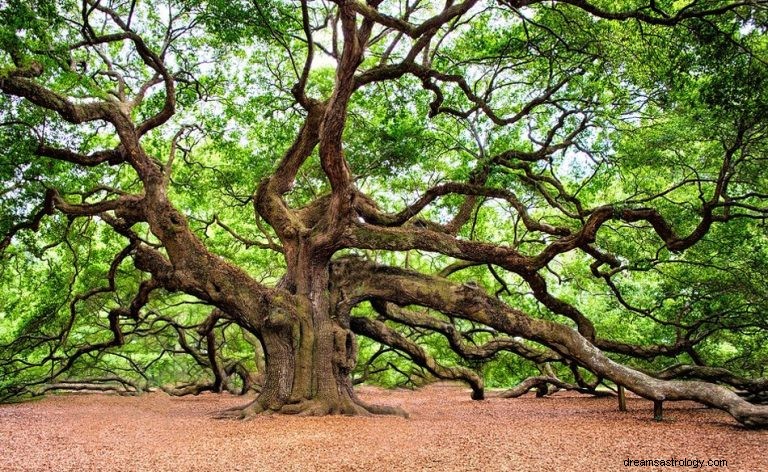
{"type": "Point", "coordinates": [565, 187]}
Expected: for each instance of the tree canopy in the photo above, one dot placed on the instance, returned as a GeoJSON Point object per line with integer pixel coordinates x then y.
{"type": "Point", "coordinates": [295, 196]}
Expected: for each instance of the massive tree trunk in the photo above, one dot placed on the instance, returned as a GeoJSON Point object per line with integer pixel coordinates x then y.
{"type": "Point", "coordinates": [309, 353]}
{"type": "Point", "coordinates": [310, 350]}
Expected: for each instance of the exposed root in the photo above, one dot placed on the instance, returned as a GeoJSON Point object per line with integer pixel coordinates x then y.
{"type": "Point", "coordinates": [349, 407]}
{"type": "Point", "coordinates": [306, 408]}
{"type": "Point", "coordinates": [376, 409]}
{"type": "Point", "coordinates": [383, 409]}
{"type": "Point", "coordinates": [242, 412]}
{"type": "Point", "coordinates": [314, 407]}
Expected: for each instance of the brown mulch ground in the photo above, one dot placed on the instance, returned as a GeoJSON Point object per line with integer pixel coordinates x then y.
{"type": "Point", "coordinates": [446, 431]}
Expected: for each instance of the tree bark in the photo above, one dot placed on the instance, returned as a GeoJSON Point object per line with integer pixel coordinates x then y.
{"type": "Point", "coordinates": [310, 351]}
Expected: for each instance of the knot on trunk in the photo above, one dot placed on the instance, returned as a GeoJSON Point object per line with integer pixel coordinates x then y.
{"type": "Point", "coordinates": [279, 319]}
{"type": "Point", "coordinates": [345, 349]}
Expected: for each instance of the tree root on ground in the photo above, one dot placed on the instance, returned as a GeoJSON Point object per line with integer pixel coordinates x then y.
{"type": "Point", "coordinates": [311, 407]}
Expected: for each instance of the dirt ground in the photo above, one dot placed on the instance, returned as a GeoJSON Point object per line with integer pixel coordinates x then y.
{"type": "Point", "coordinates": [447, 431]}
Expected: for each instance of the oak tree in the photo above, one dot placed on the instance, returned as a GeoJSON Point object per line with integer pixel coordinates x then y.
{"type": "Point", "coordinates": [577, 184]}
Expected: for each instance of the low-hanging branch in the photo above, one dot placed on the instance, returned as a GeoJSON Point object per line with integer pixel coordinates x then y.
{"type": "Point", "coordinates": [541, 383]}
{"type": "Point", "coordinates": [405, 287]}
